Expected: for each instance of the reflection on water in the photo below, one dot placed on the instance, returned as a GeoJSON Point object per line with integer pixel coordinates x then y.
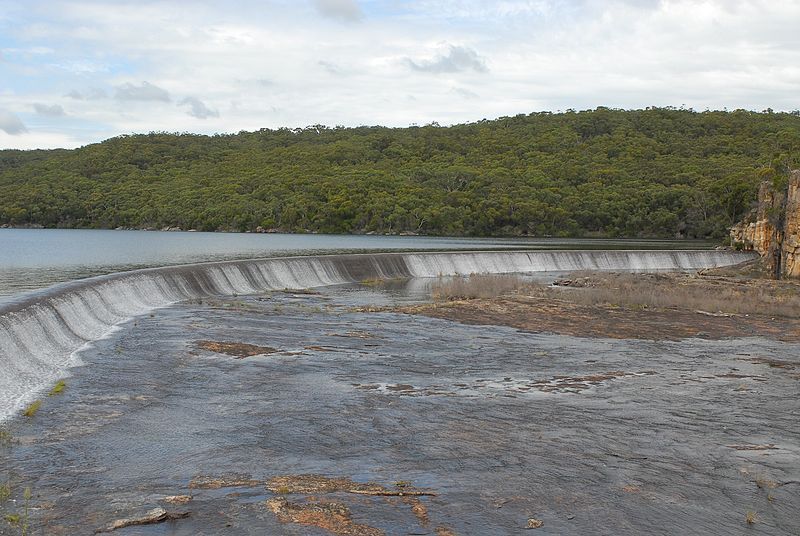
{"type": "Point", "coordinates": [32, 259]}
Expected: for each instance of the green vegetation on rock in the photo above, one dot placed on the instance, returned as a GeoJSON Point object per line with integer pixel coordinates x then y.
{"type": "Point", "coordinates": [58, 388]}
{"type": "Point", "coordinates": [33, 408]}
{"type": "Point", "coordinates": [659, 172]}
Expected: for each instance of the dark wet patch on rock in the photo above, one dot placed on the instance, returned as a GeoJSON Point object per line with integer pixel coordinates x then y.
{"type": "Point", "coordinates": [354, 334]}
{"type": "Point", "coordinates": [400, 387]}
{"type": "Point", "coordinates": [238, 350]}
{"type": "Point", "coordinates": [320, 348]}
{"type": "Point", "coordinates": [753, 447]}
{"type": "Point", "coordinates": [773, 363]}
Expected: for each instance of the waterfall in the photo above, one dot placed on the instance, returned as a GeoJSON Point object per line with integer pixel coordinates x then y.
{"type": "Point", "coordinates": [40, 334]}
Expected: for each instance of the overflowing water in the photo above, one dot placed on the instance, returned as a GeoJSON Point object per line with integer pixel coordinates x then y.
{"type": "Point", "coordinates": [33, 259]}
{"type": "Point", "coordinates": [39, 335]}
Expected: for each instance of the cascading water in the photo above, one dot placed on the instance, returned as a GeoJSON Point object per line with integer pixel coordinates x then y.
{"type": "Point", "coordinates": [39, 336]}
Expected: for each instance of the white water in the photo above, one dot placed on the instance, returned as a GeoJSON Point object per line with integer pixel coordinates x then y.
{"type": "Point", "coordinates": [40, 336]}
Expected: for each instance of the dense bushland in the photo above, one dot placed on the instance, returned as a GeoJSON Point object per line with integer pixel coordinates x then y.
{"type": "Point", "coordinates": [640, 173]}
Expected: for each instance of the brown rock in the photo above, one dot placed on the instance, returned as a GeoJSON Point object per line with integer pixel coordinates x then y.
{"type": "Point", "coordinates": [238, 350]}
{"type": "Point", "coordinates": [177, 499]}
{"type": "Point", "coordinates": [791, 228]}
{"type": "Point", "coordinates": [228, 481]}
{"type": "Point", "coordinates": [332, 516]}
{"type": "Point", "coordinates": [156, 515]}
{"type": "Point", "coordinates": [534, 523]}
{"type": "Point", "coordinates": [287, 484]}
{"type": "Point", "coordinates": [773, 231]}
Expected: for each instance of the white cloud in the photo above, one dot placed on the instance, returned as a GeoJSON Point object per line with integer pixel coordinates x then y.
{"type": "Point", "coordinates": [11, 124]}
{"type": "Point", "coordinates": [54, 110]}
{"type": "Point", "coordinates": [144, 92]}
{"type": "Point", "coordinates": [198, 109]}
{"type": "Point", "coordinates": [347, 10]}
{"type": "Point", "coordinates": [278, 63]}
{"type": "Point", "coordinates": [457, 59]}
{"type": "Point", "coordinates": [94, 93]}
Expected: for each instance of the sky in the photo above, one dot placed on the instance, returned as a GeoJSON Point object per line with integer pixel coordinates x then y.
{"type": "Point", "coordinates": [79, 72]}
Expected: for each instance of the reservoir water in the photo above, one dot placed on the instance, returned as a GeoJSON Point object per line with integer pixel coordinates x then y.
{"type": "Point", "coordinates": [33, 259]}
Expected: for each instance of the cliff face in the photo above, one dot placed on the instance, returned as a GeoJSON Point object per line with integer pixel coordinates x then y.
{"type": "Point", "coordinates": [773, 230]}
{"type": "Point", "coordinates": [791, 229]}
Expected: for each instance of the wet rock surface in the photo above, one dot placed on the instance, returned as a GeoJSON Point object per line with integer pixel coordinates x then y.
{"type": "Point", "coordinates": [237, 350]}
{"type": "Point", "coordinates": [494, 427]}
{"type": "Point", "coordinates": [541, 314]}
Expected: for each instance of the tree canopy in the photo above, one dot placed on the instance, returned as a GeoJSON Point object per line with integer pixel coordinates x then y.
{"type": "Point", "coordinates": [657, 172]}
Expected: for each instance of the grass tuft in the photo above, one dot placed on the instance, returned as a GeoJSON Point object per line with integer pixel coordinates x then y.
{"type": "Point", "coordinates": [477, 286]}
{"type": "Point", "coordinates": [58, 388]}
{"type": "Point", "coordinates": [750, 517]}
{"type": "Point", "coordinates": [31, 410]}
{"type": "Point", "coordinates": [5, 492]}
{"type": "Point", "coordinates": [659, 291]}
{"type": "Point", "coordinates": [638, 291]}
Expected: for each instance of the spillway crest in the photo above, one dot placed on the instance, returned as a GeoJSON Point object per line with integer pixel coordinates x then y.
{"type": "Point", "coordinates": [39, 335]}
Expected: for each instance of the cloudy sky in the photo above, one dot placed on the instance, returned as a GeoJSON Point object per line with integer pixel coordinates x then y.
{"type": "Point", "coordinates": [77, 72]}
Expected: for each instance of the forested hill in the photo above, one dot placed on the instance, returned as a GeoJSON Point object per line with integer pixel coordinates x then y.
{"type": "Point", "coordinates": [641, 173]}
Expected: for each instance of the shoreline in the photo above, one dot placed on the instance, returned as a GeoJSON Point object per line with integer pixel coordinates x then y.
{"type": "Point", "coordinates": [177, 229]}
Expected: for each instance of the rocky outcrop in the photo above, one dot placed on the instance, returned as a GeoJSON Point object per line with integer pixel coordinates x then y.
{"type": "Point", "coordinates": [773, 230]}
{"type": "Point", "coordinates": [791, 228]}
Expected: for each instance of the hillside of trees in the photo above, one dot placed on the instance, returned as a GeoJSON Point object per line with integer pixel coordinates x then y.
{"type": "Point", "coordinates": [658, 172]}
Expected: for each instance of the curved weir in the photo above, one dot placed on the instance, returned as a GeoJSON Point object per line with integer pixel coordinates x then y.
{"type": "Point", "coordinates": [39, 335]}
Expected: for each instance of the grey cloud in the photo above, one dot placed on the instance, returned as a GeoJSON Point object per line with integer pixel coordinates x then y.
{"type": "Point", "coordinates": [144, 92]}
{"type": "Point", "coordinates": [49, 111]}
{"type": "Point", "coordinates": [457, 59]}
{"type": "Point", "coordinates": [347, 10]}
{"type": "Point", "coordinates": [332, 68]}
{"type": "Point", "coordinates": [94, 93]}
{"type": "Point", "coordinates": [463, 92]}
{"type": "Point", "coordinates": [11, 124]}
{"type": "Point", "coordinates": [198, 109]}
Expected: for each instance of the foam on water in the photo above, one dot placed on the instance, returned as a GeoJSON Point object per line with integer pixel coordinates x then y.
{"type": "Point", "coordinates": [40, 334]}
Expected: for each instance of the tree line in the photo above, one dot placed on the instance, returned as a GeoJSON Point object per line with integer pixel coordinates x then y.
{"type": "Point", "coordinates": [656, 172]}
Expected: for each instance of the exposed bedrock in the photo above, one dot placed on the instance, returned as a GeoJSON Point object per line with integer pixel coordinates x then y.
{"type": "Point", "coordinates": [773, 229]}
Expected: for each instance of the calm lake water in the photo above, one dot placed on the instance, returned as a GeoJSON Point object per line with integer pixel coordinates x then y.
{"type": "Point", "coordinates": [32, 259]}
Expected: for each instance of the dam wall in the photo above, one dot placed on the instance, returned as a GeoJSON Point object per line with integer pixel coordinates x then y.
{"type": "Point", "coordinates": [40, 333]}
